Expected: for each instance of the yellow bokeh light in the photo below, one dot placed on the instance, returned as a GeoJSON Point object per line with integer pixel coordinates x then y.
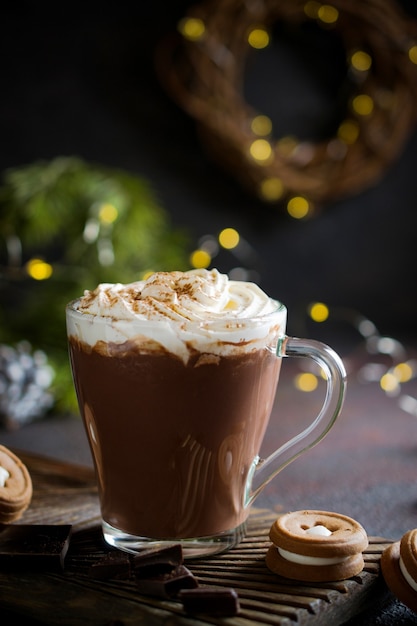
{"type": "Point", "coordinates": [361, 61]}
{"type": "Point", "coordinates": [192, 28]}
{"type": "Point", "coordinates": [287, 145]}
{"type": "Point", "coordinates": [108, 213]}
{"type": "Point", "coordinates": [318, 311]}
{"type": "Point", "coordinates": [389, 382]}
{"type": "Point", "coordinates": [412, 54]}
{"type": "Point", "coordinates": [363, 104]}
{"type": "Point", "coordinates": [298, 207]}
{"type": "Point", "coordinates": [39, 269]}
{"type": "Point", "coordinates": [258, 38]}
{"type": "Point", "coordinates": [403, 372]}
{"type": "Point", "coordinates": [348, 131]}
{"type": "Point", "coordinates": [271, 188]}
{"type": "Point", "coordinates": [306, 382]}
{"type": "Point", "coordinates": [229, 238]}
{"type": "Point", "coordinates": [200, 259]}
{"type": "Point", "coordinates": [261, 150]}
{"type": "Point", "coordinates": [147, 274]}
{"type": "Point", "coordinates": [311, 9]}
{"type": "Point", "coordinates": [261, 125]}
{"type": "Point", "coordinates": [328, 14]}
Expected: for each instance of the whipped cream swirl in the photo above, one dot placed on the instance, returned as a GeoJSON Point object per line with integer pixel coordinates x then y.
{"type": "Point", "coordinates": [197, 295]}
{"type": "Point", "coordinates": [200, 309]}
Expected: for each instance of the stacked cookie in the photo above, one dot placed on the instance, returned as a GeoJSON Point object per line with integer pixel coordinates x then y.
{"type": "Point", "coordinates": [316, 546]}
{"type": "Point", "coordinates": [399, 568]}
{"type": "Point", "coordinates": [15, 487]}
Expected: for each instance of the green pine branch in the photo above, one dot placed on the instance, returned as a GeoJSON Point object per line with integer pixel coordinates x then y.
{"type": "Point", "coordinates": [56, 210]}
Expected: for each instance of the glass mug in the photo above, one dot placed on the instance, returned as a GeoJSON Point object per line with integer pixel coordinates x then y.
{"type": "Point", "coordinates": [176, 445]}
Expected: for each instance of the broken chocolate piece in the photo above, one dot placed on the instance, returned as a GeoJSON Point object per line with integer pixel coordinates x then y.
{"type": "Point", "coordinates": [167, 584]}
{"type": "Point", "coordinates": [210, 601]}
{"type": "Point", "coordinates": [113, 565]}
{"type": "Point", "coordinates": [34, 546]}
{"type": "Point", "coordinates": [155, 561]}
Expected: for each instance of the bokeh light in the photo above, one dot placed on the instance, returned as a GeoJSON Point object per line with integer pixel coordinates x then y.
{"type": "Point", "coordinates": [210, 244]}
{"type": "Point", "coordinates": [311, 9]}
{"type": "Point", "coordinates": [328, 14]}
{"type": "Point", "coordinates": [91, 230]}
{"type": "Point", "coordinates": [261, 151]}
{"type": "Point", "coordinates": [361, 61]}
{"type": "Point", "coordinates": [261, 125]}
{"type": "Point", "coordinates": [147, 274]}
{"type": "Point", "coordinates": [298, 207]}
{"type": "Point", "coordinates": [108, 213]}
{"type": "Point", "coordinates": [348, 131]}
{"type": "Point", "coordinates": [389, 383]}
{"type": "Point", "coordinates": [412, 54]}
{"type": "Point", "coordinates": [38, 269]}
{"type": "Point", "coordinates": [286, 145]}
{"type": "Point", "coordinates": [105, 252]}
{"type": "Point", "coordinates": [192, 28]}
{"type": "Point", "coordinates": [200, 259]}
{"type": "Point", "coordinates": [229, 238]}
{"type": "Point", "coordinates": [271, 188]}
{"type": "Point", "coordinates": [408, 404]}
{"type": "Point", "coordinates": [306, 381]}
{"type": "Point", "coordinates": [258, 38]}
{"type": "Point", "coordinates": [403, 372]}
{"type": "Point", "coordinates": [366, 327]}
{"type": "Point", "coordinates": [318, 311]}
{"type": "Point", "coordinates": [363, 104]}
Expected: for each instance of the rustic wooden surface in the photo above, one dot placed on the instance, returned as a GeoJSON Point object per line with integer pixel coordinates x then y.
{"type": "Point", "coordinates": [65, 493]}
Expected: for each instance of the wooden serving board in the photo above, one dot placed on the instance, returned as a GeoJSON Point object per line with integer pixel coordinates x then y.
{"type": "Point", "coordinates": [66, 494]}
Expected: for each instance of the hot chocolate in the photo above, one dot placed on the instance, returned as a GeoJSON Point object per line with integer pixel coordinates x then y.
{"type": "Point", "coordinates": [172, 442]}
{"type": "Point", "coordinates": [175, 378]}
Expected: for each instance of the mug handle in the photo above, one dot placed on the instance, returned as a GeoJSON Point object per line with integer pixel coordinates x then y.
{"type": "Point", "coordinates": [264, 470]}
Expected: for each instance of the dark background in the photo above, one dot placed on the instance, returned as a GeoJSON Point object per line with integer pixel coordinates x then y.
{"type": "Point", "coordinates": [82, 83]}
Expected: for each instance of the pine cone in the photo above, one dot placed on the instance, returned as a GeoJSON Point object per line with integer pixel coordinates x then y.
{"type": "Point", "coordinates": [25, 379]}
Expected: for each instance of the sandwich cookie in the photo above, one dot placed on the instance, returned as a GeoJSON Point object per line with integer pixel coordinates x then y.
{"type": "Point", "coordinates": [399, 569]}
{"type": "Point", "coordinates": [15, 487]}
{"type": "Point", "coordinates": [316, 546]}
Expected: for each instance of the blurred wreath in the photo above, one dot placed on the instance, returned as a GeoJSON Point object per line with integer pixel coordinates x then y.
{"type": "Point", "coordinates": [65, 226]}
{"type": "Point", "coordinates": [203, 68]}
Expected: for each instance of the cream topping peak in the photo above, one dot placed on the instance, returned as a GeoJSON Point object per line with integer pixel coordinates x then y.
{"type": "Point", "coordinates": [196, 295]}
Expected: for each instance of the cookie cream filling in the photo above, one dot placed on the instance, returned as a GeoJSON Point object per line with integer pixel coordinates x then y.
{"type": "Point", "coordinates": [301, 559]}
{"type": "Point", "coordinates": [199, 309]}
{"type": "Point", "coordinates": [4, 475]}
{"type": "Point", "coordinates": [319, 531]}
{"type": "Point", "coordinates": [407, 575]}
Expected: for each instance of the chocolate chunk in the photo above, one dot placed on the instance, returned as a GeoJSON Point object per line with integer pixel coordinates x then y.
{"type": "Point", "coordinates": [210, 601]}
{"type": "Point", "coordinates": [157, 560]}
{"type": "Point", "coordinates": [113, 565]}
{"type": "Point", "coordinates": [167, 584]}
{"type": "Point", "coordinates": [28, 546]}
